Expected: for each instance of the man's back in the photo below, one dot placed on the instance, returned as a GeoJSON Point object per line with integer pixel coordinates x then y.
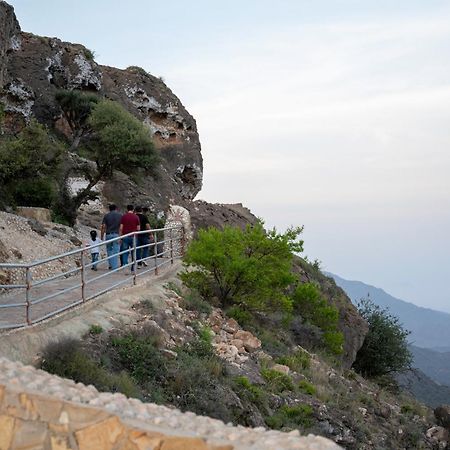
{"type": "Point", "coordinates": [112, 222]}
{"type": "Point", "coordinates": [130, 222]}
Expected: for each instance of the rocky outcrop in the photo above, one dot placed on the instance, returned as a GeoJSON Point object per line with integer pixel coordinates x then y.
{"type": "Point", "coordinates": [33, 68]}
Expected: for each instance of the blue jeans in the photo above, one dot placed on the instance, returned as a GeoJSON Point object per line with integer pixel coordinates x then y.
{"type": "Point", "coordinates": [142, 253]}
{"type": "Point", "coordinates": [94, 257]}
{"type": "Point", "coordinates": [112, 249]}
{"type": "Point", "coordinates": [127, 244]}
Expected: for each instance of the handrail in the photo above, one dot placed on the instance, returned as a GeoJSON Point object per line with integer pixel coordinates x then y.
{"type": "Point", "coordinates": [44, 298]}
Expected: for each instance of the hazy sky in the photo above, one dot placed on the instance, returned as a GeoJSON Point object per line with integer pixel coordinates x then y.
{"type": "Point", "coordinates": [331, 114]}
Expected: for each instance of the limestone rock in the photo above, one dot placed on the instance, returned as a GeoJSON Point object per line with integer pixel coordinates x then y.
{"type": "Point", "coordinates": [281, 368]}
{"type": "Point", "coordinates": [250, 342]}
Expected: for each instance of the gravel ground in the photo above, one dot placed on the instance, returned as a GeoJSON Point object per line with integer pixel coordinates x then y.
{"type": "Point", "coordinates": [27, 378]}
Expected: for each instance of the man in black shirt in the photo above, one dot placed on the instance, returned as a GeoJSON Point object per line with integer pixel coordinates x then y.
{"type": "Point", "coordinates": [143, 239]}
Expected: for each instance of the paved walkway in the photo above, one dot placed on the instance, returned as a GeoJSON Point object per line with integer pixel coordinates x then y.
{"type": "Point", "coordinates": [67, 292]}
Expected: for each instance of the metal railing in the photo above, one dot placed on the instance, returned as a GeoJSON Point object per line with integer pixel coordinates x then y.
{"type": "Point", "coordinates": [32, 296]}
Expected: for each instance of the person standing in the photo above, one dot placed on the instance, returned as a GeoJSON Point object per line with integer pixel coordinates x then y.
{"type": "Point", "coordinates": [128, 224]}
{"type": "Point", "coordinates": [94, 243]}
{"type": "Point", "coordinates": [110, 230]}
{"type": "Point", "coordinates": [143, 239]}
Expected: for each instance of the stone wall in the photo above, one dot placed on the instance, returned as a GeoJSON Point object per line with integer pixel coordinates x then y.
{"type": "Point", "coordinates": [42, 411]}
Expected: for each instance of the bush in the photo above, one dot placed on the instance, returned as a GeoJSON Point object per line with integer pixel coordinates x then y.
{"type": "Point", "coordinates": [193, 302]}
{"type": "Point", "coordinates": [291, 417]}
{"type": "Point", "coordinates": [249, 268]}
{"type": "Point", "coordinates": [310, 304]}
{"type": "Point", "coordinates": [138, 70]}
{"type": "Point", "coordinates": [95, 329]}
{"type": "Point", "coordinates": [251, 392]}
{"type": "Point", "coordinates": [242, 317]}
{"type": "Point", "coordinates": [38, 192]}
{"type": "Point", "coordinates": [277, 382]}
{"type": "Point", "coordinates": [385, 347]}
{"type": "Point", "coordinates": [68, 360]}
{"type": "Point", "coordinates": [297, 361]}
{"type": "Point", "coordinates": [307, 387]}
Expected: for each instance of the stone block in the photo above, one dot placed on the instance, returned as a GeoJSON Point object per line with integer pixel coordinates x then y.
{"type": "Point", "coordinates": [59, 443]}
{"type": "Point", "coordinates": [184, 443]}
{"type": "Point", "coordinates": [140, 440]}
{"type": "Point", "coordinates": [101, 436]}
{"type": "Point", "coordinates": [29, 435]}
{"type": "Point", "coordinates": [80, 417]}
{"type": "Point", "coordinates": [6, 431]}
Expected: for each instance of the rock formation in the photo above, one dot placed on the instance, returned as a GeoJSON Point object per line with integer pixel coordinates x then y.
{"type": "Point", "coordinates": [33, 68]}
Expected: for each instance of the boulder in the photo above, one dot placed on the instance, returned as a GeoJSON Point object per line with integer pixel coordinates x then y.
{"type": "Point", "coordinates": [250, 342]}
{"type": "Point", "coordinates": [438, 436]}
{"type": "Point", "coordinates": [38, 214]}
{"type": "Point", "coordinates": [281, 368]}
{"type": "Point", "coordinates": [442, 414]}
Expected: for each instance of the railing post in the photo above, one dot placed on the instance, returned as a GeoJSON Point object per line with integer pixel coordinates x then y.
{"type": "Point", "coordinates": [134, 258]}
{"type": "Point", "coordinates": [156, 253]}
{"type": "Point", "coordinates": [183, 241]}
{"type": "Point", "coordinates": [28, 294]}
{"type": "Point", "coordinates": [83, 277]}
{"type": "Point", "coordinates": [171, 247]}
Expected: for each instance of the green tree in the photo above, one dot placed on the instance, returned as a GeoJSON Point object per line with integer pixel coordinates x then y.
{"type": "Point", "coordinates": [385, 348]}
{"type": "Point", "coordinates": [29, 166]}
{"type": "Point", "coordinates": [250, 267]}
{"type": "Point", "coordinates": [76, 107]}
{"type": "Point", "coordinates": [115, 140]}
{"type": "Point", "coordinates": [314, 308]}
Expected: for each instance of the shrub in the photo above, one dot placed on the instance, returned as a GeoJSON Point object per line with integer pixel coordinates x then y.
{"type": "Point", "coordinates": [297, 361]}
{"type": "Point", "coordinates": [38, 192]}
{"type": "Point", "coordinates": [385, 347]}
{"type": "Point", "coordinates": [253, 393]}
{"type": "Point", "coordinates": [277, 382]}
{"type": "Point", "coordinates": [89, 54]}
{"type": "Point", "coordinates": [247, 267]}
{"type": "Point", "coordinates": [67, 359]}
{"type": "Point", "coordinates": [242, 317]}
{"type": "Point", "coordinates": [138, 354]}
{"type": "Point", "coordinates": [310, 304]}
{"type": "Point", "coordinates": [193, 302]}
{"type": "Point", "coordinates": [291, 417]}
{"type": "Point", "coordinates": [138, 70]}
{"type": "Point", "coordinates": [95, 329]}
{"type": "Point", "coordinates": [307, 387]}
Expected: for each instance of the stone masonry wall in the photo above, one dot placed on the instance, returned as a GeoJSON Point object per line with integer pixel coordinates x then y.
{"type": "Point", "coordinates": [42, 411]}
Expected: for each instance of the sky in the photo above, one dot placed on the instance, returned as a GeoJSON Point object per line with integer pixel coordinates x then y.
{"type": "Point", "coordinates": [332, 114]}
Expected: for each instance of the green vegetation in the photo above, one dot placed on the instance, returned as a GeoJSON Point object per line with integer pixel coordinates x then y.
{"type": "Point", "coordinates": [193, 302]}
{"type": "Point", "coordinates": [138, 70]}
{"type": "Point", "coordinates": [385, 348]}
{"type": "Point", "coordinates": [297, 361]}
{"type": "Point", "coordinates": [29, 167]}
{"type": "Point", "coordinates": [250, 268]}
{"type": "Point", "coordinates": [307, 387]}
{"type": "Point", "coordinates": [89, 54]}
{"type": "Point", "coordinates": [310, 304]}
{"type": "Point", "coordinates": [276, 381]}
{"type": "Point", "coordinates": [104, 132]}
{"type": "Point", "coordinates": [95, 329]}
{"type": "Point", "coordinates": [67, 359]}
{"type": "Point", "coordinates": [291, 417]}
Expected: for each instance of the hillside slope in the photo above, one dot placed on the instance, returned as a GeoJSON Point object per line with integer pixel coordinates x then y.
{"type": "Point", "coordinates": [429, 328]}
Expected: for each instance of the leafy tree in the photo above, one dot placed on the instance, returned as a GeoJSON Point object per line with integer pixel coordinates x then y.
{"type": "Point", "coordinates": [115, 140]}
{"type": "Point", "coordinates": [250, 267]}
{"type": "Point", "coordinates": [76, 107]}
{"type": "Point", "coordinates": [385, 347]}
{"type": "Point", "coordinates": [313, 307]}
{"type": "Point", "coordinates": [29, 166]}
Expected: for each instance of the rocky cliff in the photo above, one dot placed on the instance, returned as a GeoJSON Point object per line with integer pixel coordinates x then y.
{"type": "Point", "coordinates": [33, 68]}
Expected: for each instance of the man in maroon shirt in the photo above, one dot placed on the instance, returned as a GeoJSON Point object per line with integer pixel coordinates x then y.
{"type": "Point", "coordinates": [128, 224]}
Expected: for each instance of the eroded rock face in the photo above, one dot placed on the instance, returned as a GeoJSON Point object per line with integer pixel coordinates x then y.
{"type": "Point", "coordinates": [33, 68]}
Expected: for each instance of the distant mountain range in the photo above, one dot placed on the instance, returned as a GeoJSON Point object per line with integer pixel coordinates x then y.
{"type": "Point", "coordinates": [429, 328]}
{"type": "Point", "coordinates": [429, 338]}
